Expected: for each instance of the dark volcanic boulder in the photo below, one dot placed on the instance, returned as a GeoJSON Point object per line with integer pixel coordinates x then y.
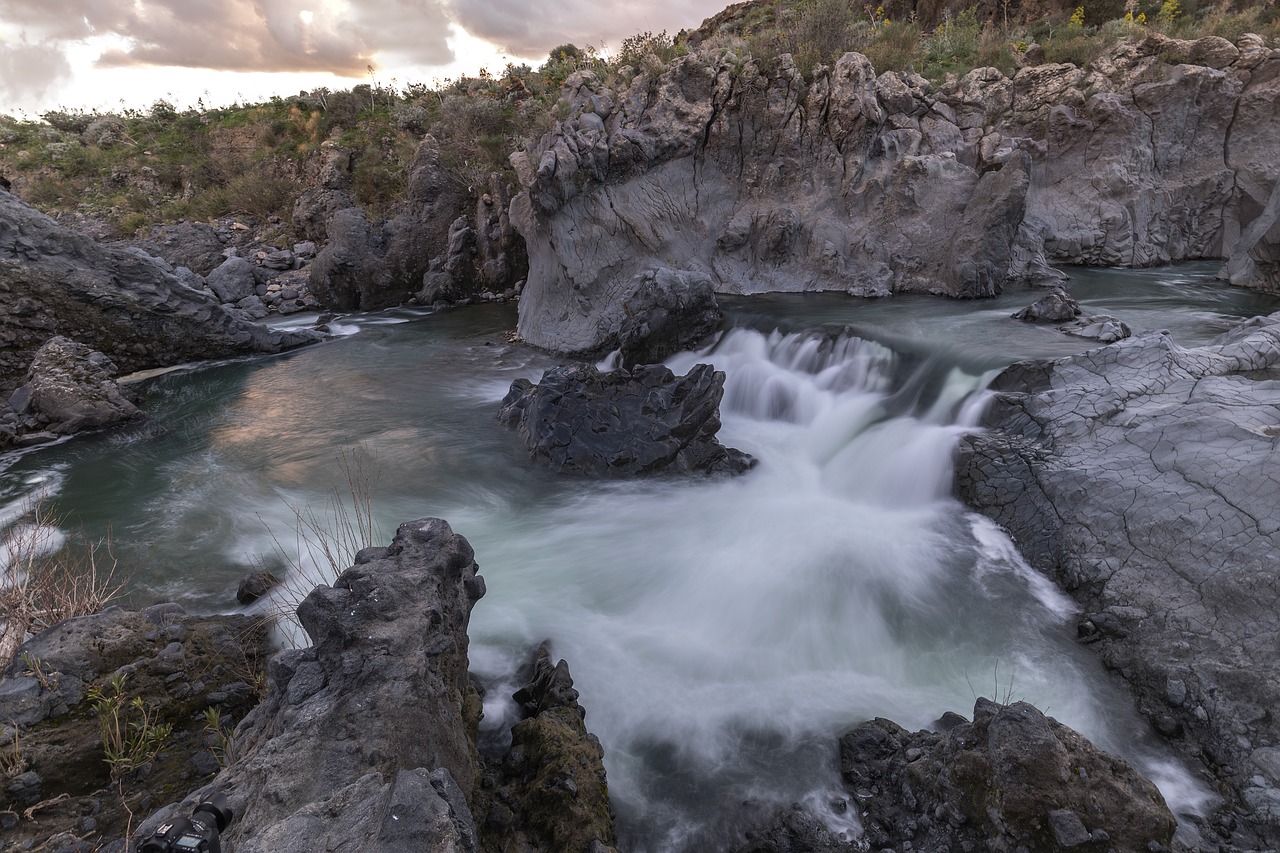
{"type": "Point", "coordinates": [1054, 307]}
{"type": "Point", "coordinates": [1013, 779]}
{"type": "Point", "coordinates": [54, 281]}
{"type": "Point", "coordinates": [71, 388]}
{"type": "Point", "coordinates": [623, 423]}
{"type": "Point", "coordinates": [668, 312]}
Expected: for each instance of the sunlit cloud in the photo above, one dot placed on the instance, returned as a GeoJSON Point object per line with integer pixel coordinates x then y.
{"type": "Point", "coordinates": [85, 52]}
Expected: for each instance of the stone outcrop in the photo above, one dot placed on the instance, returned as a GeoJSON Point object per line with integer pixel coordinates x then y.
{"type": "Point", "coordinates": [54, 281]}
{"type": "Point", "coordinates": [760, 180]}
{"type": "Point", "coordinates": [447, 242]}
{"type": "Point", "coordinates": [179, 664]}
{"type": "Point", "coordinates": [366, 740]}
{"type": "Point", "coordinates": [1141, 476]}
{"type": "Point", "coordinates": [1012, 779]}
{"type": "Point", "coordinates": [547, 791]}
{"type": "Point", "coordinates": [68, 388]}
{"type": "Point", "coordinates": [623, 423]}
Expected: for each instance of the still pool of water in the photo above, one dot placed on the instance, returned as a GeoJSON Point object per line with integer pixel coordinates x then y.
{"type": "Point", "coordinates": [722, 633]}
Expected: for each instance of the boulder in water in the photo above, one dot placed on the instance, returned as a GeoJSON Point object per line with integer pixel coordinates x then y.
{"type": "Point", "coordinates": [1054, 307]}
{"type": "Point", "coordinates": [1013, 779]}
{"type": "Point", "coordinates": [624, 423]}
{"type": "Point", "coordinates": [69, 388]}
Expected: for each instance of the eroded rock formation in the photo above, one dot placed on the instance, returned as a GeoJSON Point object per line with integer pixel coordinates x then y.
{"type": "Point", "coordinates": [55, 281]}
{"type": "Point", "coordinates": [1142, 477]}
{"type": "Point", "coordinates": [750, 175]}
{"type": "Point", "coordinates": [366, 740]}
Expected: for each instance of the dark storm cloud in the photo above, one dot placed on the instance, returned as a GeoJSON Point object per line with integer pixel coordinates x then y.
{"type": "Point", "coordinates": [29, 69]}
{"type": "Point", "coordinates": [525, 32]}
{"type": "Point", "coordinates": [245, 35]}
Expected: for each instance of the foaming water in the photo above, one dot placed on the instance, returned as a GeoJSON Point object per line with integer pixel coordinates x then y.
{"type": "Point", "coordinates": [725, 632]}
{"type": "Point", "coordinates": [722, 632]}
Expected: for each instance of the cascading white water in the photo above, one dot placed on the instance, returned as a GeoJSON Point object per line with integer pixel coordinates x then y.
{"type": "Point", "coordinates": [724, 633]}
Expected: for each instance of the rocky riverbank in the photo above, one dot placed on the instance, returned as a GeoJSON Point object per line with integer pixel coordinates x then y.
{"type": "Point", "coordinates": [1141, 477]}
{"type": "Point", "coordinates": [750, 178]}
{"type": "Point", "coordinates": [368, 740]}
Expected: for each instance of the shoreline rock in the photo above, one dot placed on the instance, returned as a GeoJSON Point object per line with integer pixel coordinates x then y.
{"type": "Point", "coordinates": [1139, 476]}
{"type": "Point", "coordinates": [56, 281]}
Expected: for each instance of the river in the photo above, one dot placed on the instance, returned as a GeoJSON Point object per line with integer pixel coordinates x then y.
{"type": "Point", "coordinates": [722, 633]}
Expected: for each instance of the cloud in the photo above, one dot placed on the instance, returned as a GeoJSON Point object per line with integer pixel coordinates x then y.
{"type": "Point", "coordinates": [245, 35]}
{"type": "Point", "coordinates": [30, 71]}
{"type": "Point", "coordinates": [510, 23]}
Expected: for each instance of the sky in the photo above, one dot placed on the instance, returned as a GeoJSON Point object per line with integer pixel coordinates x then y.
{"type": "Point", "coordinates": [116, 54]}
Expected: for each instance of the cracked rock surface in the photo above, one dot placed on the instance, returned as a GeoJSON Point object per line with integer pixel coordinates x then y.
{"type": "Point", "coordinates": [1145, 478]}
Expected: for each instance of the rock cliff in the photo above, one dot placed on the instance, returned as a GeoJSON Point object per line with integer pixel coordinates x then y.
{"type": "Point", "coordinates": [1141, 476]}
{"type": "Point", "coordinates": [750, 175]}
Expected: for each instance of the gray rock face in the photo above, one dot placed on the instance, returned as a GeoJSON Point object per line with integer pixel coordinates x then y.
{"type": "Point", "coordinates": [1141, 476]}
{"type": "Point", "coordinates": [232, 280]}
{"type": "Point", "coordinates": [1013, 779]}
{"type": "Point", "coordinates": [366, 737]}
{"type": "Point", "coordinates": [447, 242]}
{"type": "Point", "coordinates": [1054, 307]}
{"type": "Point", "coordinates": [54, 281]}
{"type": "Point", "coordinates": [623, 423]}
{"type": "Point", "coordinates": [747, 174]}
{"type": "Point", "coordinates": [70, 388]}
{"type": "Point", "coordinates": [194, 245]}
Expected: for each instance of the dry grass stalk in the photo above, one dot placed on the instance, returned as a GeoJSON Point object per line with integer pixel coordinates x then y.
{"type": "Point", "coordinates": [325, 541]}
{"type": "Point", "coordinates": [44, 579]}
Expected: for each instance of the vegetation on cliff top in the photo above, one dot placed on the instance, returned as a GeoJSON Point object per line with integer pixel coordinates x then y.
{"type": "Point", "coordinates": [160, 165]}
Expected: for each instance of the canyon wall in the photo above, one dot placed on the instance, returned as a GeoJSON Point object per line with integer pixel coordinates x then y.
{"type": "Point", "coordinates": [743, 177]}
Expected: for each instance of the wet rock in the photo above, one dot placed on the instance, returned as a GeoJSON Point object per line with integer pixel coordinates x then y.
{"type": "Point", "coordinates": [1098, 327]}
{"type": "Point", "coordinates": [1140, 477]}
{"type": "Point", "coordinates": [1013, 779]}
{"type": "Point", "coordinates": [71, 388]}
{"type": "Point", "coordinates": [669, 312]}
{"type": "Point", "coordinates": [548, 790]}
{"type": "Point", "coordinates": [377, 753]}
{"type": "Point", "coordinates": [1054, 307]}
{"type": "Point", "coordinates": [623, 423]}
{"type": "Point", "coordinates": [254, 586]}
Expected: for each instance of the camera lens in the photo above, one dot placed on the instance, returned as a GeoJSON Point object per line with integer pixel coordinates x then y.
{"type": "Point", "coordinates": [217, 807]}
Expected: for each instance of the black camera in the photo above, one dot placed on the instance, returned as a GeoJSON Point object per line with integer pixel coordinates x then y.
{"type": "Point", "coordinates": [196, 834]}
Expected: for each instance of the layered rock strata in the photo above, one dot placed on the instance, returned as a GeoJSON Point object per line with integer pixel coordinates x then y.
{"type": "Point", "coordinates": [1142, 477]}
{"type": "Point", "coordinates": [758, 179]}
